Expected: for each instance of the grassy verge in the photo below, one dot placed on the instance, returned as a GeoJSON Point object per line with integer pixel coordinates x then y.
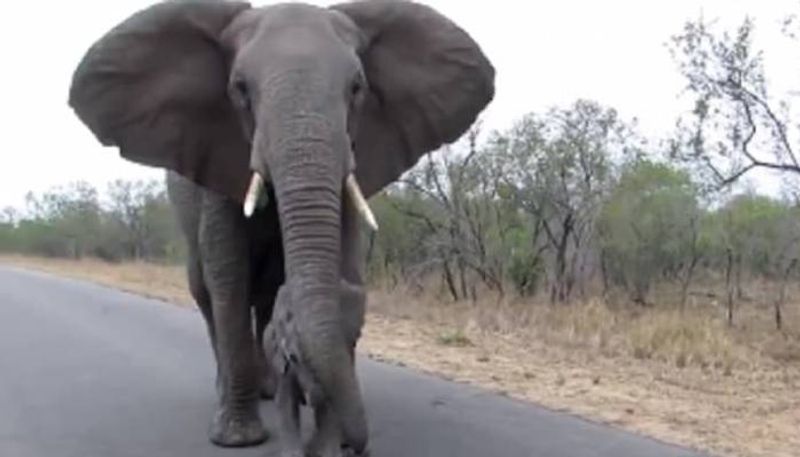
{"type": "Point", "coordinates": [164, 282]}
{"type": "Point", "coordinates": [679, 375]}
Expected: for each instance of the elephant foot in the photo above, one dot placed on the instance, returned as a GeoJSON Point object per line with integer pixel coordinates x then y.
{"type": "Point", "coordinates": [321, 447]}
{"type": "Point", "coordinates": [343, 452]}
{"type": "Point", "coordinates": [348, 452]}
{"type": "Point", "coordinates": [237, 429]}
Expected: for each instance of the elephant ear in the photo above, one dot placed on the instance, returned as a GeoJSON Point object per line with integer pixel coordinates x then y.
{"type": "Point", "coordinates": [156, 87]}
{"type": "Point", "coordinates": [428, 81]}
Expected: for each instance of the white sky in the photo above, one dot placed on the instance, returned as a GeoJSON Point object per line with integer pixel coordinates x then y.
{"type": "Point", "coordinates": [545, 53]}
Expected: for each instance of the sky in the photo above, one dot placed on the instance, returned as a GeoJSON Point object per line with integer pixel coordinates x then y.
{"type": "Point", "coordinates": [545, 54]}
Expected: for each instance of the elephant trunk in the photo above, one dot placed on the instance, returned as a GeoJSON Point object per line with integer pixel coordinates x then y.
{"type": "Point", "coordinates": [308, 178]}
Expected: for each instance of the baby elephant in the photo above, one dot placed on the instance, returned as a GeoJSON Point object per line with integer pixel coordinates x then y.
{"type": "Point", "coordinates": [297, 384]}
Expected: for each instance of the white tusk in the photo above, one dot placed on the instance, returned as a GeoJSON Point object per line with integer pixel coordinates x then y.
{"type": "Point", "coordinates": [253, 193]}
{"type": "Point", "coordinates": [360, 202]}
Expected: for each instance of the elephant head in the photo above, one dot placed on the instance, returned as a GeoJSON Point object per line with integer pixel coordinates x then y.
{"type": "Point", "coordinates": [318, 102]}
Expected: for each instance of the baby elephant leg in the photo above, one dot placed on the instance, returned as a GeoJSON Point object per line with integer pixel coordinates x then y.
{"type": "Point", "coordinates": [289, 398]}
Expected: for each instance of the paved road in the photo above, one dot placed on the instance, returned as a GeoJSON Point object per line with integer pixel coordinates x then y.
{"type": "Point", "coordinates": [87, 371]}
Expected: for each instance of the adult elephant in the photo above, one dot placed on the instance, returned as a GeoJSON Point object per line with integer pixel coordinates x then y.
{"type": "Point", "coordinates": [296, 102]}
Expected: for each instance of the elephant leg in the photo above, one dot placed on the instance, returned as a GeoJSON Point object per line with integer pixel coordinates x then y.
{"type": "Point", "coordinates": [289, 396]}
{"type": "Point", "coordinates": [353, 293]}
{"type": "Point", "coordinates": [187, 200]}
{"type": "Point", "coordinates": [267, 378]}
{"type": "Point", "coordinates": [267, 280]}
{"type": "Point", "coordinates": [326, 440]}
{"type": "Point", "coordinates": [353, 304]}
{"type": "Point", "coordinates": [266, 263]}
{"type": "Point", "coordinates": [226, 273]}
{"type": "Point", "coordinates": [200, 294]}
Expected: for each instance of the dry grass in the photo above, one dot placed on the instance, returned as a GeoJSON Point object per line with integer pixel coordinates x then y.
{"type": "Point", "coordinates": [682, 376]}
{"type": "Point", "coordinates": [164, 282]}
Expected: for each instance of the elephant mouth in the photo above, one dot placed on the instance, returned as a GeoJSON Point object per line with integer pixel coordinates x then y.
{"type": "Point", "coordinates": [257, 197]}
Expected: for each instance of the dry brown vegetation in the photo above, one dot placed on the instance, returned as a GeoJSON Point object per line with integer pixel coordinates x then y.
{"type": "Point", "coordinates": [164, 282]}
{"type": "Point", "coordinates": [683, 376]}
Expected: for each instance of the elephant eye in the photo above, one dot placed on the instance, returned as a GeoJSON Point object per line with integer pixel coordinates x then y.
{"type": "Point", "coordinates": [240, 93]}
{"type": "Point", "coordinates": [355, 88]}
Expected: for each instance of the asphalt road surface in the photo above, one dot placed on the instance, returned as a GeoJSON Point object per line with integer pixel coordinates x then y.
{"type": "Point", "coordinates": [87, 371]}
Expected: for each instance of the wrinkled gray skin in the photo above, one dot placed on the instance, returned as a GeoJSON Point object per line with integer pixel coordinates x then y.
{"type": "Point", "coordinates": [259, 239]}
{"type": "Point", "coordinates": [304, 96]}
{"type": "Point", "coordinates": [297, 386]}
{"type": "Point", "coordinates": [198, 210]}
